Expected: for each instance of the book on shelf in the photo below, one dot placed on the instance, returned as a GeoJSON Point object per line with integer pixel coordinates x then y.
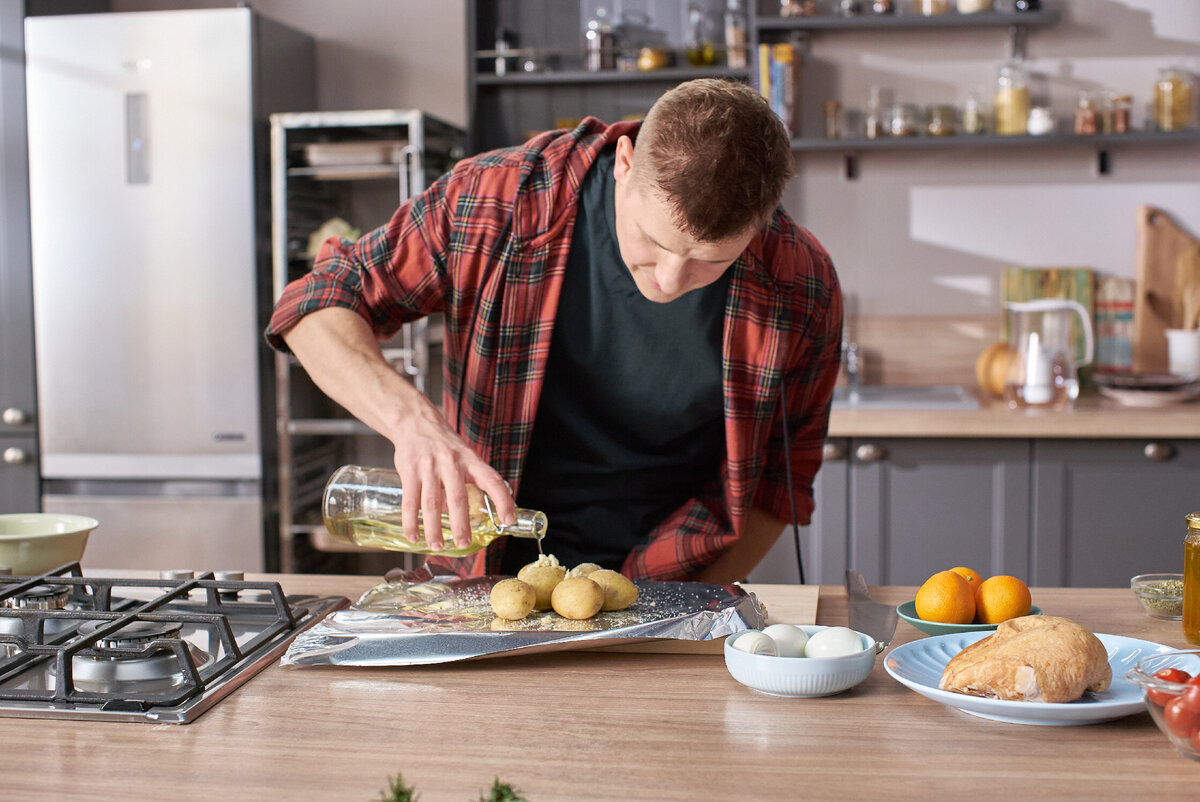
{"type": "Point", "coordinates": [779, 67]}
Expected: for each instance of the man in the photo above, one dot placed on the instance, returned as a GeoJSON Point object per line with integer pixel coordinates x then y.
{"type": "Point", "coordinates": [628, 314]}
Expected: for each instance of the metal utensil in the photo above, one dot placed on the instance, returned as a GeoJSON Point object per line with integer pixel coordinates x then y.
{"type": "Point", "coordinates": [875, 619]}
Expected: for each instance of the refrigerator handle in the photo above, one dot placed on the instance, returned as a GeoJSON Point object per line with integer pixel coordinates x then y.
{"type": "Point", "coordinates": [137, 144]}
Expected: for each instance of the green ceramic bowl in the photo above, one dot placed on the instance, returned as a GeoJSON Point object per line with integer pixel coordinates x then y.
{"type": "Point", "coordinates": [33, 543]}
{"type": "Point", "coordinates": [908, 611]}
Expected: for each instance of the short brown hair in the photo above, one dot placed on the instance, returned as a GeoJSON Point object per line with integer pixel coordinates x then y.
{"type": "Point", "coordinates": [717, 153]}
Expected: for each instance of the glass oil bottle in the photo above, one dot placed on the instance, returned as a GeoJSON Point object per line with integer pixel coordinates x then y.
{"type": "Point", "coordinates": [362, 506]}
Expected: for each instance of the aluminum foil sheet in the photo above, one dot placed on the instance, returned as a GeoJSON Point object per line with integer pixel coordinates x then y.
{"type": "Point", "coordinates": [418, 619]}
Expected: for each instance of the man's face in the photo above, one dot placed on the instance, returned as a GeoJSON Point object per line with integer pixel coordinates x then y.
{"type": "Point", "coordinates": [664, 261]}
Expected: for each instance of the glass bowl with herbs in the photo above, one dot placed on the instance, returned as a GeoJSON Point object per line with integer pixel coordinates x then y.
{"type": "Point", "coordinates": [1160, 594]}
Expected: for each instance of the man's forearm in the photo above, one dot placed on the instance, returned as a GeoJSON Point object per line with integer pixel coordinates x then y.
{"type": "Point", "coordinates": [760, 534]}
{"type": "Point", "coordinates": [339, 351]}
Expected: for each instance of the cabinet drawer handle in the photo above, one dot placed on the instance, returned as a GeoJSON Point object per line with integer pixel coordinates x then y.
{"type": "Point", "coordinates": [1159, 452]}
{"type": "Point", "coordinates": [832, 451]}
{"type": "Point", "coordinates": [15, 417]}
{"type": "Point", "coordinates": [15, 456]}
{"type": "Point", "coordinates": [869, 452]}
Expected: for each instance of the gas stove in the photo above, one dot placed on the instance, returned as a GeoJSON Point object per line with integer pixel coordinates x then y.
{"type": "Point", "coordinates": [157, 650]}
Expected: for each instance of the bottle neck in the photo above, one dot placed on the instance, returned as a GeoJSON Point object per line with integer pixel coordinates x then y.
{"type": "Point", "coordinates": [530, 524]}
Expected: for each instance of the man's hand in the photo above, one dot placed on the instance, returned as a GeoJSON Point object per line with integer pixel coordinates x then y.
{"type": "Point", "coordinates": [338, 349]}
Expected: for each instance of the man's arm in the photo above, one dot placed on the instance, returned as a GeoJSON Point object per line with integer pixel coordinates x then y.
{"type": "Point", "coordinates": [762, 530]}
{"type": "Point", "coordinates": [338, 349]}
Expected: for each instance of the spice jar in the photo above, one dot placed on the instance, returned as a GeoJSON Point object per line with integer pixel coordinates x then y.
{"type": "Point", "coordinates": [1041, 121]}
{"type": "Point", "coordinates": [904, 119]}
{"type": "Point", "coordinates": [1012, 100]}
{"type": "Point", "coordinates": [1085, 114]}
{"type": "Point", "coordinates": [1173, 105]}
{"type": "Point", "coordinates": [974, 6]}
{"type": "Point", "coordinates": [942, 120]}
{"type": "Point", "coordinates": [1191, 579]}
{"type": "Point", "coordinates": [933, 7]}
{"type": "Point", "coordinates": [1122, 106]}
{"type": "Point", "coordinates": [833, 119]}
{"type": "Point", "coordinates": [972, 115]}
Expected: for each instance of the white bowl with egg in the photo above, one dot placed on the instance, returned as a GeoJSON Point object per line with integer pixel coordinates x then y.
{"type": "Point", "coordinates": [800, 677]}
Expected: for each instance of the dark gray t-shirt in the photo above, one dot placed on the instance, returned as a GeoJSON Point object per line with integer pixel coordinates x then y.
{"type": "Point", "coordinates": [630, 423]}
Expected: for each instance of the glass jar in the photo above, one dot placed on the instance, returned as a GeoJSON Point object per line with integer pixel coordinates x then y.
{"type": "Point", "coordinates": [1086, 116]}
{"type": "Point", "coordinates": [1041, 121]}
{"type": "Point", "coordinates": [1173, 104]}
{"type": "Point", "coordinates": [1191, 579]}
{"type": "Point", "coordinates": [833, 119]}
{"type": "Point", "coordinates": [1122, 108]}
{"type": "Point", "coordinates": [933, 7]}
{"type": "Point", "coordinates": [1012, 100]}
{"type": "Point", "coordinates": [904, 119]}
{"type": "Point", "coordinates": [972, 114]}
{"type": "Point", "coordinates": [942, 120]}
{"type": "Point", "coordinates": [974, 6]}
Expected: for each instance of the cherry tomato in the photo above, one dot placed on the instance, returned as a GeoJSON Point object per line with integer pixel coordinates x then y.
{"type": "Point", "coordinates": [1182, 714]}
{"type": "Point", "coordinates": [1161, 698]}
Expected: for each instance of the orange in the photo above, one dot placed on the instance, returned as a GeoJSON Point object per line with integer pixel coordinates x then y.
{"type": "Point", "coordinates": [969, 574]}
{"type": "Point", "coordinates": [1000, 598]}
{"type": "Point", "coordinates": [991, 368]}
{"type": "Point", "coordinates": [946, 597]}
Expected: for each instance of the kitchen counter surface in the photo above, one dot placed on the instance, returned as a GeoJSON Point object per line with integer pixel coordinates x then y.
{"type": "Point", "coordinates": [1093, 417]}
{"type": "Point", "coordinates": [620, 726]}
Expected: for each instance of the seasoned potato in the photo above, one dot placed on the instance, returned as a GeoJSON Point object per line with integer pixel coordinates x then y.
{"type": "Point", "coordinates": [577, 597]}
{"type": "Point", "coordinates": [619, 592]}
{"type": "Point", "coordinates": [542, 575]}
{"type": "Point", "coordinates": [512, 599]}
{"type": "Point", "coordinates": [583, 569]}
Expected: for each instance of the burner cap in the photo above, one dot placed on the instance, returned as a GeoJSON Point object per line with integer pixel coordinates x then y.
{"type": "Point", "coordinates": [133, 635]}
{"type": "Point", "coordinates": [40, 597]}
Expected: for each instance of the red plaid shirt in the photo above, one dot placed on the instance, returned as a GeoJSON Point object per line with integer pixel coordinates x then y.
{"type": "Point", "coordinates": [487, 244]}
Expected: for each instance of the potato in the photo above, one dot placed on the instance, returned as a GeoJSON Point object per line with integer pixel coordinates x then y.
{"type": "Point", "coordinates": [542, 575]}
{"type": "Point", "coordinates": [583, 569]}
{"type": "Point", "coordinates": [512, 599]}
{"type": "Point", "coordinates": [577, 598]}
{"type": "Point", "coordinates": [619, 592]}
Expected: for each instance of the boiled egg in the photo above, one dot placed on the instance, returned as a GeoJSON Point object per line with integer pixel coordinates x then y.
{"type": "Point", "coordinates": [833, 642]}
{"type": "Point", "coordinates": [789, 639]}
{"type": "Point", "coordinates": [755, 642]}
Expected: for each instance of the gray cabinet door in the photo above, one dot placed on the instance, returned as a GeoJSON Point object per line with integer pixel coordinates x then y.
{"type": "Point", "coordinates": [921, 505]}
{"type": "Point", "coordinates": [20, 489]}
{"type": "Point", "coordinates": [1107, 510]}
{"type": "Point", "coordinates": [823, 541]}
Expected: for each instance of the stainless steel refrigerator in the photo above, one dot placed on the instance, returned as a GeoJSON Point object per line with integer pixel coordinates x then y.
{"type": "Point", "coordinates": [150, 243]}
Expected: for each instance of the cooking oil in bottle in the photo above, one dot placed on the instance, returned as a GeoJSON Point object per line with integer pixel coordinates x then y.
{"type": "Point", "coordinates": [1191, 580]}
{"type": "Point", "coordinates": [362, 506]}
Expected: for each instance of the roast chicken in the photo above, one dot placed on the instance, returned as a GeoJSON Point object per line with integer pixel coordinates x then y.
{"type": "Point", "coordinates": [1036, 658]}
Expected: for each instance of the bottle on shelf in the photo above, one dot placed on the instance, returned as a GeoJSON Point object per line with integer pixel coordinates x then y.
{"type": "Point", "coordinates": [735, 34]}
{"type": "Point", "coordinates": [599, 43]}
{"type": "Point", "coordinates": [699, 49]}
{"type": "Point", "coordinates": [1086, 116]}
{"type": "Point", "coordinates": [1012, 100]}
{"type": "Point", "coordinates": [1191, 579]}
{"type": "Point", "coordinates": [972, 114]}
{"type": "Point", "coordinates": [362, 506]}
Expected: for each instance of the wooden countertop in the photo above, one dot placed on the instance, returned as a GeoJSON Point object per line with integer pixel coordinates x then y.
{"type": "Point", "coordinates": [572, 725]}
{"type": "Point", "coordinates": [1093, 417]}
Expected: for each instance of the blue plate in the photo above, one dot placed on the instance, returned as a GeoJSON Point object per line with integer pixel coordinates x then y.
{"type": "Point", "coordinates": [908, 611]}
{"type": "Point", "coordinates": [919, 664]}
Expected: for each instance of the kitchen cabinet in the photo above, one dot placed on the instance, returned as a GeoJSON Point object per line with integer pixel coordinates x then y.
{"type": "Point", "coordinates": [1076, 513]}
{"type": "Point", "coordinates": [507, 109]}
{"type": "Point", "coordinates": [359, 166]}
{"type": "Point", "coordinates": [1105, 511]}
{"type": "Point", "coordinates": [20, 489]}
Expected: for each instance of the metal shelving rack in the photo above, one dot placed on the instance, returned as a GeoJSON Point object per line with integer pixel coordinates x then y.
{"type": "Point", "coordinates": [315, 435]}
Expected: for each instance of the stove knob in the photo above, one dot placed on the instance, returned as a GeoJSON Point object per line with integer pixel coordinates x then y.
{"type": "Point", "coordinates": [16, 456]}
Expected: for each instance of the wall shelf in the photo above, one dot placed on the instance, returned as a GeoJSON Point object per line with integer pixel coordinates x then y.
{"type": "Point", "coordinates": [917, 22]}
{"type": "Point", "coordinates": [850, 148]}
{"type": "Point", "coordinates": [669, 75]}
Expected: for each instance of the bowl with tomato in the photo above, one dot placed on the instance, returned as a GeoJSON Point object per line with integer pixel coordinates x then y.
{"type": "Point", "coordinates": [1170, 682]}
